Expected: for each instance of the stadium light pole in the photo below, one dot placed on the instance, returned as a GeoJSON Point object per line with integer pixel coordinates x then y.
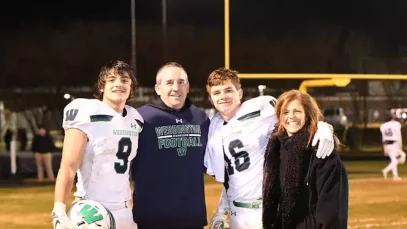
{"type": "Point", "coordinates": [226, 29]}
{"type": "Point", "coordinates": [164, 29]}
{"type": "Point", "coordinates": [133, 36]}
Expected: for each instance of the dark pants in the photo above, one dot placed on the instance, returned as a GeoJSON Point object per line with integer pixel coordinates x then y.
{"type": "Point", "coordinates": [8, 146]}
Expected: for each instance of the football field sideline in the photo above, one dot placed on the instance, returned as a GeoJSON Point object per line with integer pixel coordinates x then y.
{"type": "Point", "coordinates": [374, 202]}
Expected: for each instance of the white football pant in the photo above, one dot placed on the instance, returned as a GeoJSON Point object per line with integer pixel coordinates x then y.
{"type": "Point", "coordinates": [245, 217]}
{"type": "Point", "coordinates": [392, 150]}
{"type": "Point", "coordinates": [122, 214]}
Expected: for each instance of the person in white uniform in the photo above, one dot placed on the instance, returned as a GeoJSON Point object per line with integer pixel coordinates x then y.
{"type": "Point", "coordinates": [238, 137]}
{"type": "Point", "coordinates": [101, 140]}
{"type": "Point", "coordinates": [392, 146]}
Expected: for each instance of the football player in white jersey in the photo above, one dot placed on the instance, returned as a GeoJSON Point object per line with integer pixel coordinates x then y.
{"type": "Point", "coordinates": [392, 146]}
{"type": "Point", "coordinates": [238, 137]}
{"type": "Point", "coordinates": [101, 139]}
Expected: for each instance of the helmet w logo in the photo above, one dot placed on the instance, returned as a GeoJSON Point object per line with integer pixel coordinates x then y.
{"type": "Point", "coordinates": [90, 214]}
{"type": "Point", "coordinates": [71, 114]}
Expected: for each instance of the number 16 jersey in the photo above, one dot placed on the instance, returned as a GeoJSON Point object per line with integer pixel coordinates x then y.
{"type": "Point", "coordinates": [242, 141]}
{"type": "Point", "coordinates": [112, 144]}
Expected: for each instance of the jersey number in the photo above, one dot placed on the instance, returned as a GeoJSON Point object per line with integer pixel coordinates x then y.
{"type": "Point", "coordinates": [123, 154]}
{"type": "Point", "coordinates": [388, 132]}
{"type": "Point", "coordinates": [242, 159]}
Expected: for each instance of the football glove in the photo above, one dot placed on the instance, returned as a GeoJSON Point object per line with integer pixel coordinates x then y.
{"type": "Point", "coordinates": [325, 136]}
{"type": "Point", "coordinates": [60, 219]}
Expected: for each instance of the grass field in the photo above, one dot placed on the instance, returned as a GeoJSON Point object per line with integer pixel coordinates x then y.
{"type": "Point", "coordinates": [374, 202]}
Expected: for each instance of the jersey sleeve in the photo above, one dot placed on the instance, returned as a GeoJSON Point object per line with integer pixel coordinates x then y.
{"type": "Point", "coordinates": [208, 151]}
{"type": "Point", "coordinates": [214, 160]}
{"type": "Point", "coordinates": [77, 115]}
{"type": "Point", "coordinates": [137, 116]}
{"type": "Point", "coordinates": [207, 160]}
{"type": "Point", "coordinates": [268, 104]}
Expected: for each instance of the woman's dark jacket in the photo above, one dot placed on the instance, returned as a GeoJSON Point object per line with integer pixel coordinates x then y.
{"type": "Point", "coordinates": [301, 190]}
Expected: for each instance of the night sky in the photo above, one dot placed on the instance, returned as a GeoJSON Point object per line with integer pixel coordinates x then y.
{"type": "Point", "coordinates": [147, 11]}
{"type": "Point", "coordinates": [384, 20]}
{"type": "Point", "coordinates": [208, 12]}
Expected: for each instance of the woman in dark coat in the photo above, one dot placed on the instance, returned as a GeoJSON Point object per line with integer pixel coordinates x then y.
{"type": "Point", "coordinates": [299, 189]}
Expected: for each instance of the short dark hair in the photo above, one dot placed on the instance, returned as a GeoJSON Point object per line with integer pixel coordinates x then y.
{"type": "Point", "coordinates": [41, 126]}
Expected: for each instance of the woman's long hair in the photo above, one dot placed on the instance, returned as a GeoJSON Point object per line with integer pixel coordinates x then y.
{"type": "Point", "coordinates": [312, 112]}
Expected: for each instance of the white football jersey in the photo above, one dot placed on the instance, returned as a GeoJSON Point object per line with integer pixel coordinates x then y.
{"type": "Point", "coordinates": [242, 142]}
{"type": "Point", "coordinates": [391, 131]}
{"type": "Point", "coordinates": [112, 144]}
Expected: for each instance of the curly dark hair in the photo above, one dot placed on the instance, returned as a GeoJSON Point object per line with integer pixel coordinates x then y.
{"type": "Point", "coordinates": [121, 68]}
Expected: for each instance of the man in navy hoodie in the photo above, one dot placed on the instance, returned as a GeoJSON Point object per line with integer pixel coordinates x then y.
{"type": "Point", "coordinates": [168, 170]}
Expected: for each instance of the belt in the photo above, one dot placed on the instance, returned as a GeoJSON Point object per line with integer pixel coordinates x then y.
{"type": "Point", "coordinates": [388, 142]}
{"type": "Point", "coordinates": [255, 204]}
{"type": "Point", "coordinates": [115, 206]}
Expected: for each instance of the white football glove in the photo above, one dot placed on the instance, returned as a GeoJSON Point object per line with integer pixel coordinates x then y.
{"type": "Point", "coordinates": [60, 219]}
{"type": "Point", "coordinates": [218, 220]}
{"type": "Point", "coordinates": [325, 136]}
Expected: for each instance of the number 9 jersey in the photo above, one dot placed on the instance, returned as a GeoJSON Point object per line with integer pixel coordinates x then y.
{"type": "Point", "coordinates": [112, 143]}
{"type": "Point", "coordinates": [238, 148]}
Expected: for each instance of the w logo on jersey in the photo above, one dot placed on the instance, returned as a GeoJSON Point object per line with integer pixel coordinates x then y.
{"type": "Point", "coordinates": [71, 114]}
